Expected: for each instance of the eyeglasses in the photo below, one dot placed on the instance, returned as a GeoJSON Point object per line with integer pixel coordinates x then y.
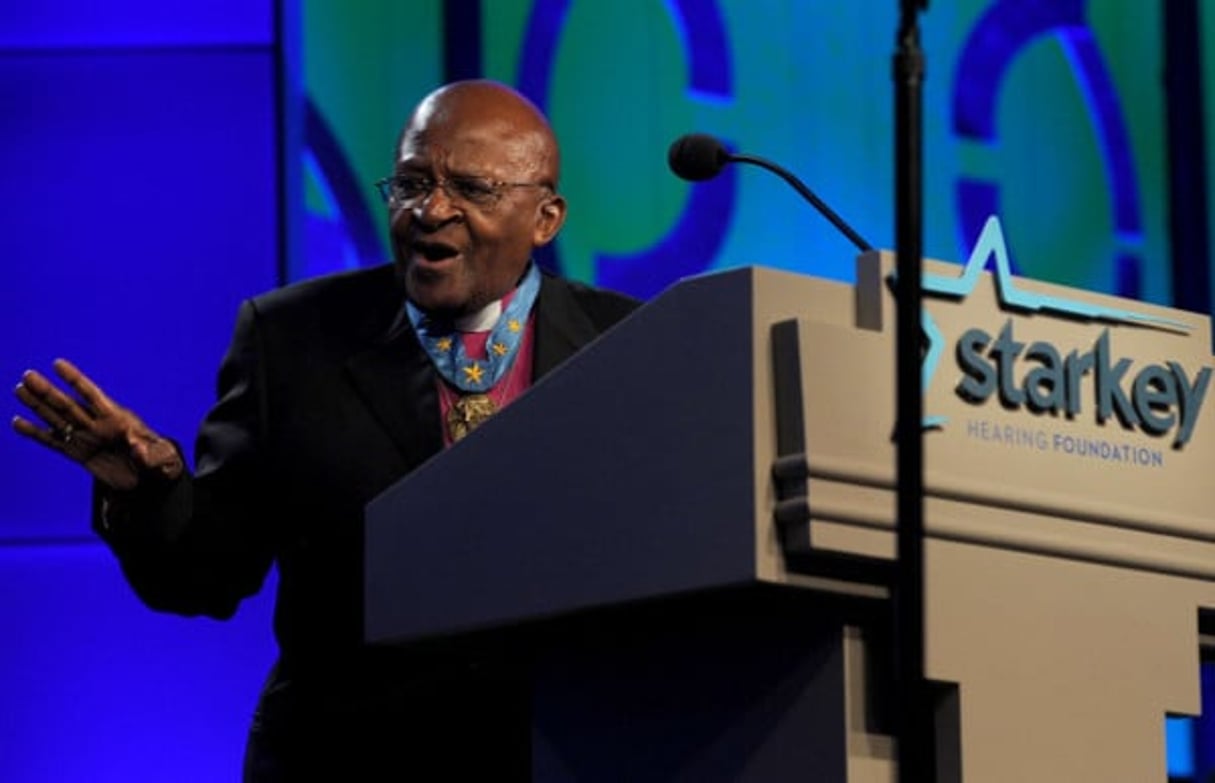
{"type": "Point", "coordinates": [405, 189]}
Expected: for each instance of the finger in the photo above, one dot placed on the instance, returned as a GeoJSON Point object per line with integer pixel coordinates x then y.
{"type": "Point", "coordinates": [39, 407]}
{"type": "Point", "coordinates": [48, 402]}
{"type": "Point", "coordinates": [54, 398]}
{"type": "Point", "coordinates": [37, 434]}
{"type": "Point", "coordinates": [84, 387]}
{"type": "Point", "coordinates": [36, 382]}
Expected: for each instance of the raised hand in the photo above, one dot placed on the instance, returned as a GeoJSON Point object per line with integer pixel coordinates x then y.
{"type": "Point", "coordinates": [110, 441]}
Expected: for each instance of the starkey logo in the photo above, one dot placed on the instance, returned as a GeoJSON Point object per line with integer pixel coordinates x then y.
{"type": "Point", "coordinates": [1041, 377]}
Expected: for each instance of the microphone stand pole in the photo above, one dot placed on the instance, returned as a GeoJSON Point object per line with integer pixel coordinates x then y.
{"type": "Point", "coordinates": [914, 720]}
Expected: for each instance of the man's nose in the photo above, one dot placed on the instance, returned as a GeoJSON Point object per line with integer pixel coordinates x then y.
{"type": "Point", "coordinates": [436, 206]}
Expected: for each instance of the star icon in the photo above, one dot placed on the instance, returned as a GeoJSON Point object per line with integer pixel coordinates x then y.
{"type": "Point", "coordinates": [499, 348]}
{"type": "Point", "coordinates": [514, 325]}
{"type": "Point", "coordinates": [443, 344]}
{"type": "Point", "coordinates": [473, 373]}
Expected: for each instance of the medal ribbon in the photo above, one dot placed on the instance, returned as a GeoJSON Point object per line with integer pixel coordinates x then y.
{"type": "Point", "coordinates": [442, 342]}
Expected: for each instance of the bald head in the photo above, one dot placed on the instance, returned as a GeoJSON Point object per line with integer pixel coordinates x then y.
{"type": "Point", "coordinates": [498, 115]}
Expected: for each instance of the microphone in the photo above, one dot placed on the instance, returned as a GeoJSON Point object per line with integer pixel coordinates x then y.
{"type": "Point", "coordinates": [698, 156]}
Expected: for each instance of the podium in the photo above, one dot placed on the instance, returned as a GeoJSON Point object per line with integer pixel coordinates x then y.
{"type": "Point", "coordinates": [616, 524]}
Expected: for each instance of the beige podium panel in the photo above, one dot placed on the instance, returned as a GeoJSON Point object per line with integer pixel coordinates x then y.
{"type": "Point", "coordinates": [1069, 506]}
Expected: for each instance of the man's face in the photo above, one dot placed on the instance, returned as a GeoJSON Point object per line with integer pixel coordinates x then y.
{"type": "Point", "coordinates": [457, 256]}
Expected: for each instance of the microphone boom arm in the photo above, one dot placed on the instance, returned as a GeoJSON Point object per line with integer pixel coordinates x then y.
{"type": "Point", "coordinates": [807, 194]}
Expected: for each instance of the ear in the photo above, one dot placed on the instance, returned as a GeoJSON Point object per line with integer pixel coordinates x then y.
{"type": "Point", "coordinates": [550, 216]}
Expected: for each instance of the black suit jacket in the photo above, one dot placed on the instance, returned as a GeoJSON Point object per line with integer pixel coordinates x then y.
{"type": "Point", "coordinates": [325, 399]}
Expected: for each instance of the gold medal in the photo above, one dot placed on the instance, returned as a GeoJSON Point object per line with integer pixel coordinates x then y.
{"type": "Point", "coordinates": [467, 413]}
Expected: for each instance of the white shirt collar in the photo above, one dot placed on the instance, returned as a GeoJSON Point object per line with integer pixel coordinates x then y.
{"type": "Point", "coordinates": [481, 321]}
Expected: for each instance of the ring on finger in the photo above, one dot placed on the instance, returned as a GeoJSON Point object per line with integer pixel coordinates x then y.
{"type": "Point", "coordinates": [66, 432]}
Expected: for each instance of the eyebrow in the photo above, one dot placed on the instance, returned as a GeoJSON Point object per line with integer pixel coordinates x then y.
{"type": "Point", "coordinates": [418, 167]}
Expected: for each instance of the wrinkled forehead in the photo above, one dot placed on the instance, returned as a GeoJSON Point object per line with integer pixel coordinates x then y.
{"type": "Point", "coordinates": [468, 143]}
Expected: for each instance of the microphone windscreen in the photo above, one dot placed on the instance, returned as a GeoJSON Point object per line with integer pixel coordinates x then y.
{"type": "Point", "coordinates": [697, 156]}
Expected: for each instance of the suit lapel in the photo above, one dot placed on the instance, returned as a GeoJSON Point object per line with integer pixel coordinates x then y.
{"type": "Point", "coordinates": [562, 328]}
{"type": "Point", "coordinates": [397, 382]}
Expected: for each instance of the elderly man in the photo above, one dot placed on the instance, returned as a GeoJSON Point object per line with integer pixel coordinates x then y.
{"type": "Point", "coordinates": [332, 390]}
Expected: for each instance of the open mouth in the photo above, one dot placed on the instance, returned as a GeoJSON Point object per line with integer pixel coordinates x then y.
{"type": "Point", "coordinates": [433, 251]}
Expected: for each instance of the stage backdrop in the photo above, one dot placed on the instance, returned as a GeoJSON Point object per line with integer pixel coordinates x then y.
{"type": "Point", "coordinates": [144, 197]}
{"type": "Point", "coordinates": [1050, 114]}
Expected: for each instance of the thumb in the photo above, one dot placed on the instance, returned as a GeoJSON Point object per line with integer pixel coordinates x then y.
{"type": "Point", "coordinates": [151, 452]}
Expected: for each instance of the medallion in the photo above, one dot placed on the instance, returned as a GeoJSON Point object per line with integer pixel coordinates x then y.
{"type": "Point", "coordinates": [467, 413]}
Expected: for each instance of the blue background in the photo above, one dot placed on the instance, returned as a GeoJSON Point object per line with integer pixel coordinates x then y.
{"type": "Point", "coordinates": [140, 191]}
{"type": "Point", "coordinates": [162, 161]}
